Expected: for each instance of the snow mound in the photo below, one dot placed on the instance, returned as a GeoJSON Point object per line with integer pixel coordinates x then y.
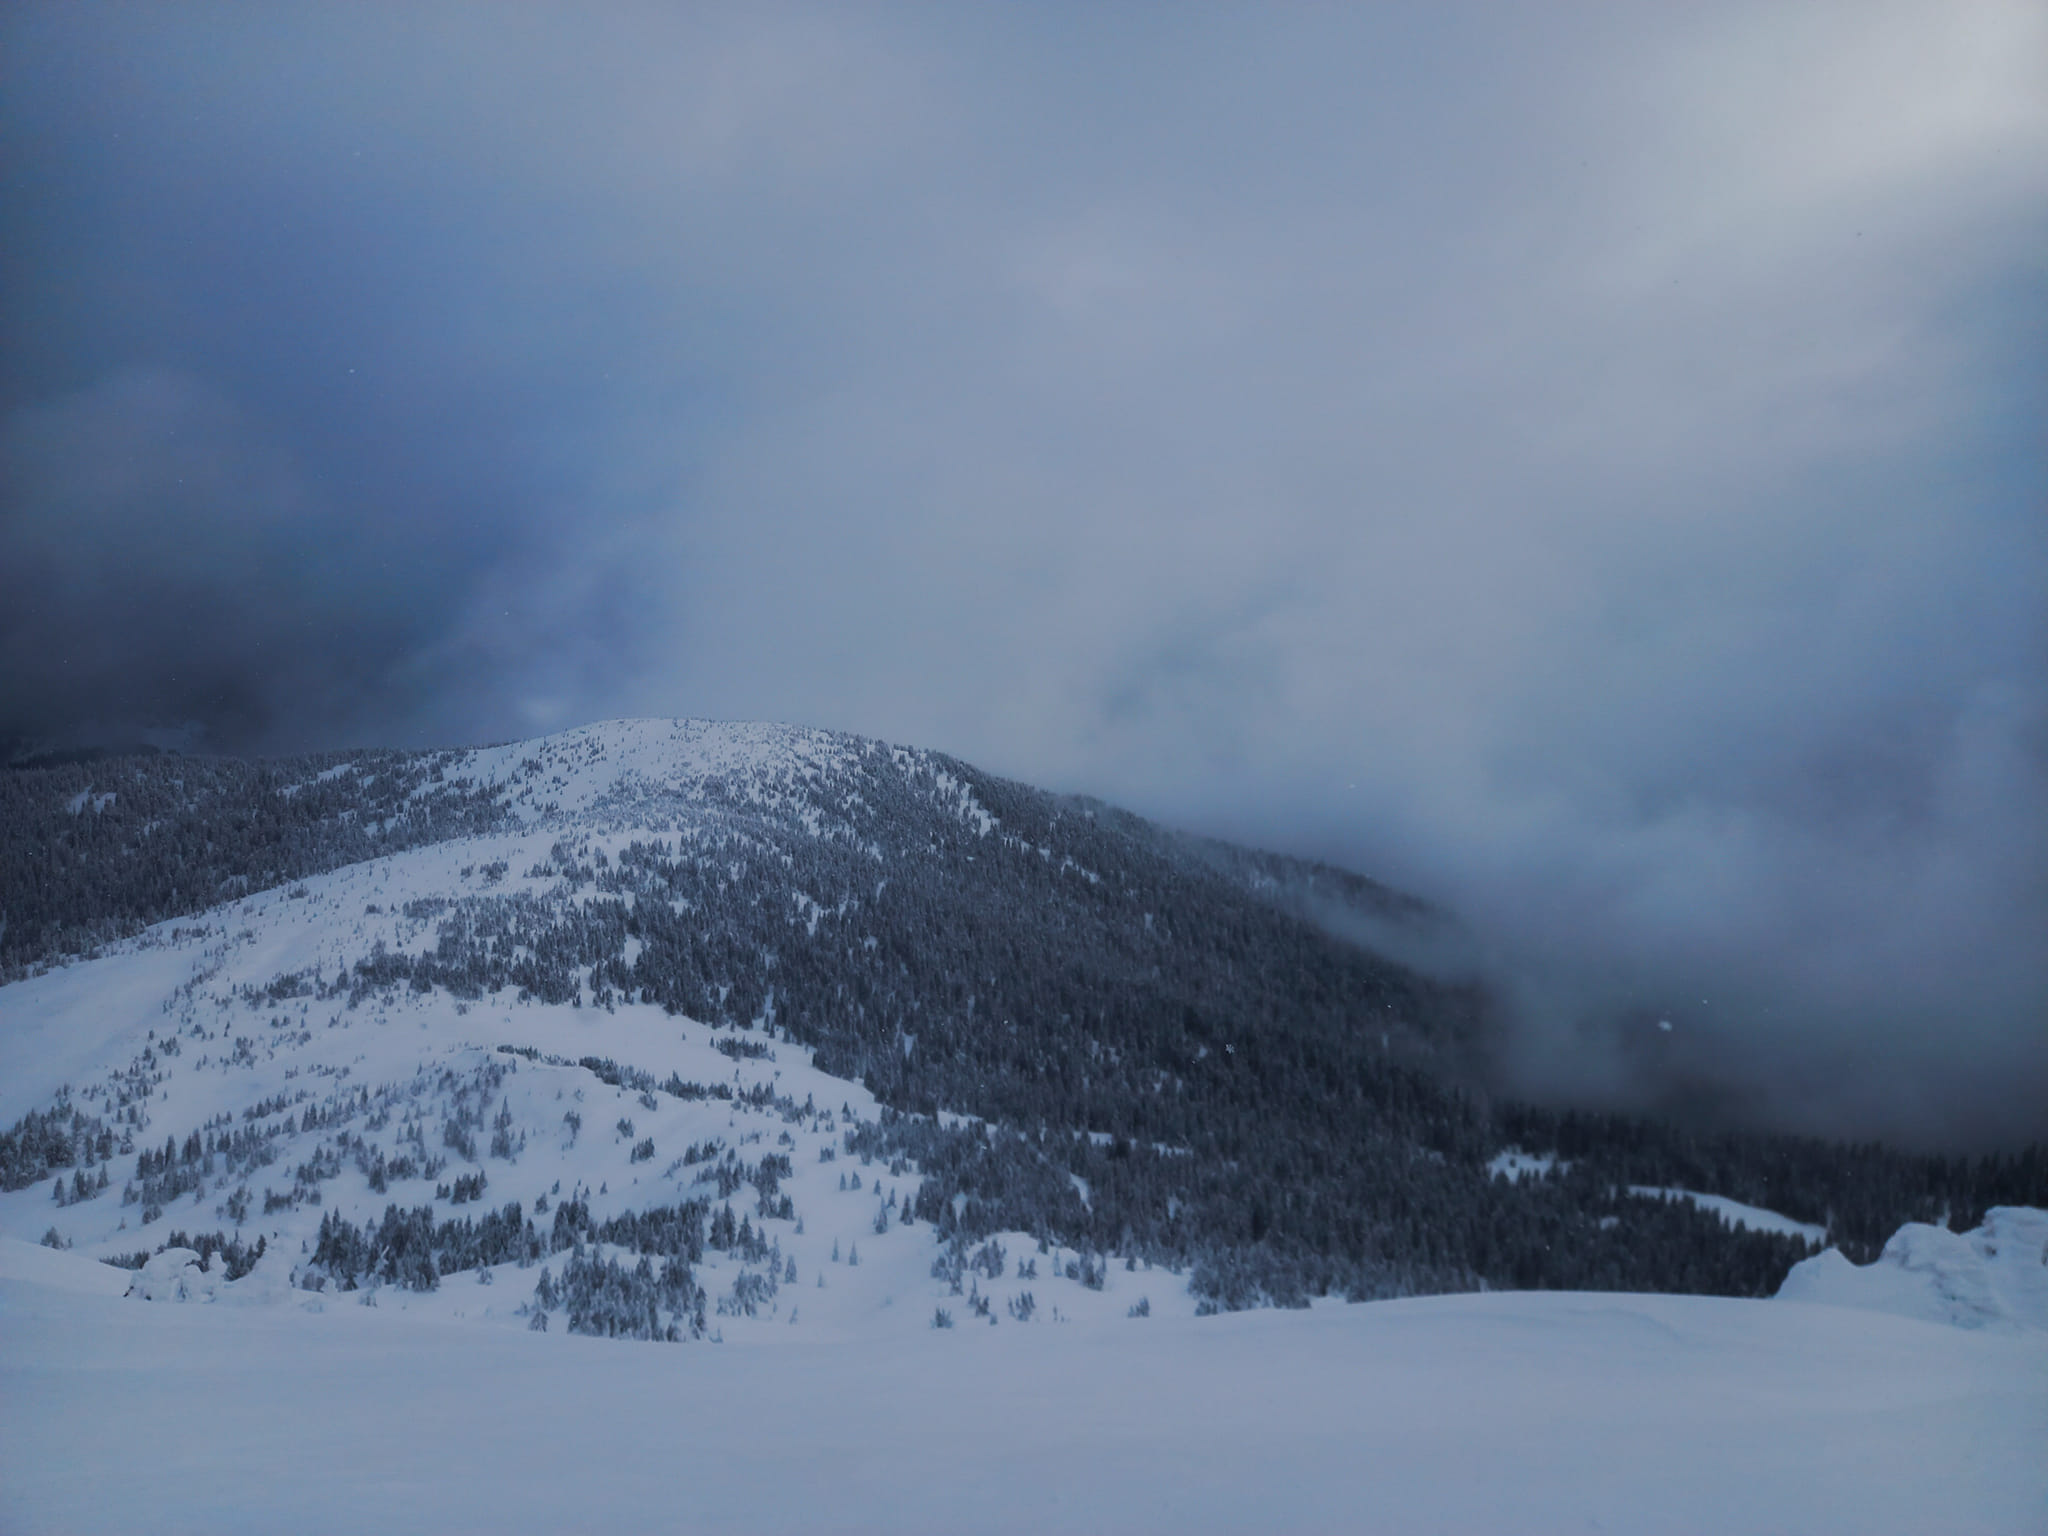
{"type": "Point", "coordinates": [176, 1274]}
{"type": "Point", "coordinates": [37, 1265]}
{"type": "Point", "coordinates": [1994, 1278]}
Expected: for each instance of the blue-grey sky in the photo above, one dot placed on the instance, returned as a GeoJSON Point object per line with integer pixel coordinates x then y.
{"type": "Point", "coordinates": [1584, 463]}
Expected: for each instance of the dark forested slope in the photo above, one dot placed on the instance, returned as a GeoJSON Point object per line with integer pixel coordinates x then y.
{"type": "Point", "coordinates": [94, 851]}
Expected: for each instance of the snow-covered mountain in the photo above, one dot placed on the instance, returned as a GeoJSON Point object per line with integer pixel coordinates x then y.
{"type": "Point", "coordinates": [242, 1079]}
{"type": "Point", "coordinates": [750, 1035]}
{"type": "Point", "coordinates": [685, 967]}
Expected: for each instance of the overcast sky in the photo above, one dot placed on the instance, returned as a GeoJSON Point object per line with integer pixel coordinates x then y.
{"type": "Point", "coordinates": [1585, 464]}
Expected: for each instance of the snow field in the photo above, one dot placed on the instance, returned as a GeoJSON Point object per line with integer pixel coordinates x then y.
{"type": "Point", "coordinates": [1504, 1412]}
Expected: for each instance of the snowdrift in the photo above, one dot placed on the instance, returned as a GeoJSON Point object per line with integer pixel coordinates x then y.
{"type": "Point", "coordinates": [35, 1264]}
{"type": "Point", "coordinates": [1994, 1278]}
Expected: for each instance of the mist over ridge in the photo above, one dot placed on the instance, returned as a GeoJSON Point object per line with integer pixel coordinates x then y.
{"type": "Point", "coordinates": [1582, 470]}
{"type": "Point", "coordinates": [101, 814]}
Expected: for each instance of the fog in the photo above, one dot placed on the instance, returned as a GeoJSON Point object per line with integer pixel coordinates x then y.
{"type": "Point", "coordinates": [1586, 468]}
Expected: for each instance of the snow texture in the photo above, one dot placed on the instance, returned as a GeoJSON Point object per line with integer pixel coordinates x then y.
{"type": "Point", "coordinates": [60, 1269]}
{"type": "Point", "coordinates": [1507, 1412]}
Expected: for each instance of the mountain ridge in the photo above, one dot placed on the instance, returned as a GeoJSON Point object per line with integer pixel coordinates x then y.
{"type": "Point", "coordinates": [1066, 1022]}
{"type": "Point", "coordinates": [492, 787]}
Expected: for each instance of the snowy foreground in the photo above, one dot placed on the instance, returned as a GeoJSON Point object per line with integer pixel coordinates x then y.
{"type": "Point", "coordinates": [1505, 1412]}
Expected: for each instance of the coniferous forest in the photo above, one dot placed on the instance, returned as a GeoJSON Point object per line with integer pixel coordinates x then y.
{"type": "Point", "coordinates": [1164, 1051]}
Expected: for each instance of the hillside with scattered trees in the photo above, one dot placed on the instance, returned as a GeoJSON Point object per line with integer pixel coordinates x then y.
{"type": "Point", "coordinates": [1164, 1050]}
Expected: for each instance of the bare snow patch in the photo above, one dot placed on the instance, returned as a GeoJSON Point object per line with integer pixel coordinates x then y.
{"type": "Point", "coordinates": [1736, 1214]}
{"type": "Point", "coordinates": [1516, 1165]}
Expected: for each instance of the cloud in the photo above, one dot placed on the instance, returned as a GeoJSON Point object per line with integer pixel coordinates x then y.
{"type": "Point", "coordinates": [167, 565]}
{"type": "Point", "coordinates": [1585, 468]}
{"type": "Point", "coordinates": [155, 560]}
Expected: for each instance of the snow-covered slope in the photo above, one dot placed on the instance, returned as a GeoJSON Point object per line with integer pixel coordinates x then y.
{"type": "Point", "coordinates": [1993, 1278]}
{"type": "Point", "coordinates": [340, 1106]}
{"type": "Point", "coordinates": [263, 1098]}
{"type": "Point", "coordinates": [621, 894]}
{"type": "Point", "coordinates": [334, 1093]}
{"type": "Point", "coordinates": [629, 767]}
{"type": "Point", "coordinates": [478, 1020]}
{"type": "Point", "coordinates": [1737, 1214]}
{"type": "Point", "coordinates": [38, 1265]}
